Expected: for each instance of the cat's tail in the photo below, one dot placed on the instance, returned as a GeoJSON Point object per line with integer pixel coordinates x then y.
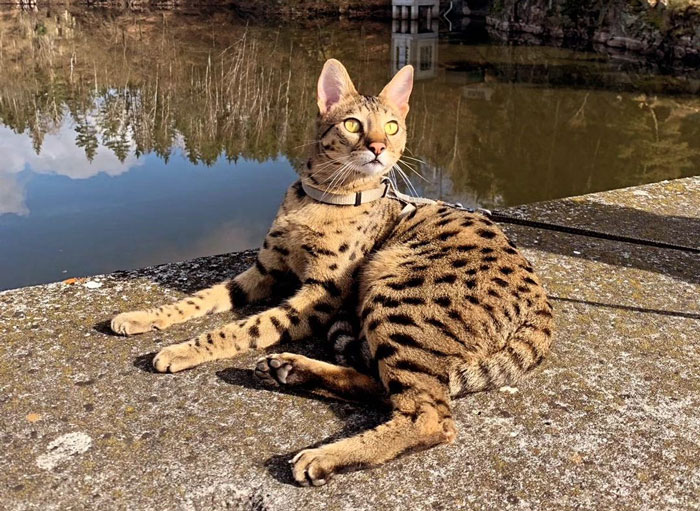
{"type": "Point", "coordinates": [522, 353]}
{"type": "Point", "coordinates": [349, 350]}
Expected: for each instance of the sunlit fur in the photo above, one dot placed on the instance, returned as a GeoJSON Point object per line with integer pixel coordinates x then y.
{"type": "Point", "coordinates": [439, 300]}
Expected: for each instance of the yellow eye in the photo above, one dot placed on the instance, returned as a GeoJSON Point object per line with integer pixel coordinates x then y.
{"type": "Point", "coordinates": [352, 125]}
{"type": "Point", "coordinates": [391, 128]}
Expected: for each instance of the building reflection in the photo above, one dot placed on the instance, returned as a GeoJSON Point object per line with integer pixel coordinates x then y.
{"type": "Point", "coordinates": [414, 37]}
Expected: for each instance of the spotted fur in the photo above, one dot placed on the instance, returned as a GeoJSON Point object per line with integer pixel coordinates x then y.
{"type": "Point", "coordinates": [441, 302]}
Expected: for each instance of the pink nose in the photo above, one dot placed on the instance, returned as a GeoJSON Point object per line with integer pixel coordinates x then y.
{"type": "Point", "coordinates": [377, 148]}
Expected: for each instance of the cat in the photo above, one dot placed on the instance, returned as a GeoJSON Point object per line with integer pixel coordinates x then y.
{"type": "Point", "coordinates": [439, 299]}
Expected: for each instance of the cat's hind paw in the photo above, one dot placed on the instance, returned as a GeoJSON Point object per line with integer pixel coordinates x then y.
{"type": "Point", "coordinates": [281, 369]}
{"type": "Point", "coordinates": [314, 467]}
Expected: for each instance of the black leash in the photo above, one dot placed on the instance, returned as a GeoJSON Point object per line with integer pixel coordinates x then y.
{"type": "Point", "coordinates": [497, 216]}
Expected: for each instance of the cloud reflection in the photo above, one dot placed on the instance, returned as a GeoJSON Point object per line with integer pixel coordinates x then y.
{"type": "Point", "coordinates": [59, 155]}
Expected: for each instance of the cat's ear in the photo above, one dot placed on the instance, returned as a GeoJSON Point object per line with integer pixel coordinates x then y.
{"type": "Point", "coordinates": [398, 90]}
{"type": "Point", "coordinates": [333, 84]}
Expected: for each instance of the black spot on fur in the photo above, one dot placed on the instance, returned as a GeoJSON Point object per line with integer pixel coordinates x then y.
{"type": "Point", "coordinates": [316, 325]}
{"type": "Point", "coordinates": [473, 299]}
{"type": "Point", "coordinates": [238, 296]}
{"type": "Point", "coordinates": [450, 278]}
{"type": "Point", "coordinates": [409, 283]}
{"type": "Point", "coordinates": [281, 250]}
{"type": "Point", "coordinates": [261, 268]}
{"type": "Point", "coordinates": [466, 248]}
{"type": "Point", "coordinates": [471, 283]}
{"type": "Point", "coordinates": [505, 270]}
{"type": "Point", "coordinates": [401, 319]}
{"type": "Point", "coordinates": [418, 244]}
{"type": "Point", "coordinates": [254, 331]}
{"type": "Point", "coordinates": [528, 280]}
{"type": "Point", "coordinates": [499, 281]}
{"type": "Point", "coordinates": [510, 251]}
{"type": "Point", "coordinates": [459, 263]}
{"type": "Point", "coordinates": [486, 233]}
{"type": "Point", "coordinates": [384, 351]}
{"type": "Point", "coordinates": [444, 236]}
{"type": "Point", "coordinates": [324, 307]}
{"type": "Point", "coordinates": [487, 250]}
{"type": "Point", "coordinates": [489, 259]}
{"type": "Point", "coordinates": [343, 248]}
{"type": "Point", "coordinates": [386, 301]}
{"type": "Point", "coordinates": [414, 367]}
{"type": "Point", "coordinates": [395, 387]}
{"type": "Point", "coordinates": [443, 301]}
{"type": "Point", "coordinates": [328, 285]}
{"type": "Point", "coordinates": [413, 300]}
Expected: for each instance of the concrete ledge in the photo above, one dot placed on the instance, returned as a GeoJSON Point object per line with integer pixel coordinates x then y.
{"type": "Point", "coordinates": [612, 421]}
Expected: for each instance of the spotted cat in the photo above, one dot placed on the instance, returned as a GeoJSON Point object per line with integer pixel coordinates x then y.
{"type": "Point", "coordinates": [440, 301]}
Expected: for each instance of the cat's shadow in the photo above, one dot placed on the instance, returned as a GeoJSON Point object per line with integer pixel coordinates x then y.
{"type": "Point", "coordinates": [278, 465]}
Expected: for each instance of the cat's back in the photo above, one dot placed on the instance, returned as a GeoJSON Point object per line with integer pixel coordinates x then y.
{"type": "Point", "coordinates": [449, 287]}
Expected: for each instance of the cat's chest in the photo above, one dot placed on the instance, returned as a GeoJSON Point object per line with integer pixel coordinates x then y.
{"type": "Point", "coordinates": [325, 241]}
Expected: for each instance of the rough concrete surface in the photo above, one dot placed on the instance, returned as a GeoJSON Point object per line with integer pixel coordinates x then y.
{"type": "Point", "coordinates": [611, 421]}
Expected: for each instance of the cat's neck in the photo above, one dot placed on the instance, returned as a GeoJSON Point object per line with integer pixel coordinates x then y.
{"type": "Point", "coordinates": [351, 184]}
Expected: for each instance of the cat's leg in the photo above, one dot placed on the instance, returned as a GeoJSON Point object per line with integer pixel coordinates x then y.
{"type": "Point", "coordinates": [308, 312]}
{"type": "Point", "coordinates": [289, 369]}
{"type": "Point", "coordinates": [420, 420]}
{"type": "Point", "coordinates": [252, 285]}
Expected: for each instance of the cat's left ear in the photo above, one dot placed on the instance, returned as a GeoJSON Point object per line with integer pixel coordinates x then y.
{"type": "Point", "coordinates": [333, 85]}
{"type": "Point", "coordinates": [398, 90]}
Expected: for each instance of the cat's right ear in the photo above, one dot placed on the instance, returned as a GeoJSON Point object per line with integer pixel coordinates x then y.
{"type": "Point", "coordinates": [333, 84]}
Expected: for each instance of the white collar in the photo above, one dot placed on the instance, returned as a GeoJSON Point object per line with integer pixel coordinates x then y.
{"type": "Point", "coordinates": [348, 199]}
{"type": "Point", "coordinates": [385, 189]}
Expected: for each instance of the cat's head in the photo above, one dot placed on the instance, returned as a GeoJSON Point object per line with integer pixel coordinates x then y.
{"type": "Point", "coordinates": [359, 138]}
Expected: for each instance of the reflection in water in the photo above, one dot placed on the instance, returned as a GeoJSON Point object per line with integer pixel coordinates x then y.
{"type": "Point", "coordinates": [160, 110]}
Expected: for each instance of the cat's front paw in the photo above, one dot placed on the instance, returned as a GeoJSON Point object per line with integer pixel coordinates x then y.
{"type": "Point", "coordinates": [281, 369]}
{"type": "Point", "coordinates": [137, 322]}
{"type": "Point", "coordinates": [314, 467]}
{"type": "Point", "coordinates": [177, 357]}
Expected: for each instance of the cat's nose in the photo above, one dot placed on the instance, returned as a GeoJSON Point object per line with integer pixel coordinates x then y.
{"type": "Point", "coordinates": [377, 148]}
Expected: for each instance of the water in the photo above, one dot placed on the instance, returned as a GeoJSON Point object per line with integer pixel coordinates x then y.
{"type": "Point", "coordinates": [130, 139]}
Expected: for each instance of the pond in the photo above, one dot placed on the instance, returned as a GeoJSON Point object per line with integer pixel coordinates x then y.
{"type": "Point", "coordinates": [135, 138]}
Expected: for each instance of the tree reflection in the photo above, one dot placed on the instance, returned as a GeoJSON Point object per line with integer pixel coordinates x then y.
{"type": "Point", "coordinates": [495, 124]}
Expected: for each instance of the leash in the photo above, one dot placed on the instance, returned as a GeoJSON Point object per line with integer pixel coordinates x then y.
{"type": "Point", "coordinates": [499, 217]}
{"type": "Point", "coordinates": [388, 189]}
{"type": "Point", "coordinates": [503, 218]}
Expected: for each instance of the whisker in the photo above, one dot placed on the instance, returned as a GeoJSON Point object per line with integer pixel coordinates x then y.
{"type": "Point", "coordinates": [403, 175]}
{"type": "Point", "coordinates": [415, 171]}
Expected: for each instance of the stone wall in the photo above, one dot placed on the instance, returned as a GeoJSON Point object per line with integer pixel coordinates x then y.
{"type": "Point", "coordinates": [666, 30]}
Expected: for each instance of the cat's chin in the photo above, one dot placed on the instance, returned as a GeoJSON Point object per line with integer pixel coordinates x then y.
{"type": "Point", "coordinates": [371, 169]}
